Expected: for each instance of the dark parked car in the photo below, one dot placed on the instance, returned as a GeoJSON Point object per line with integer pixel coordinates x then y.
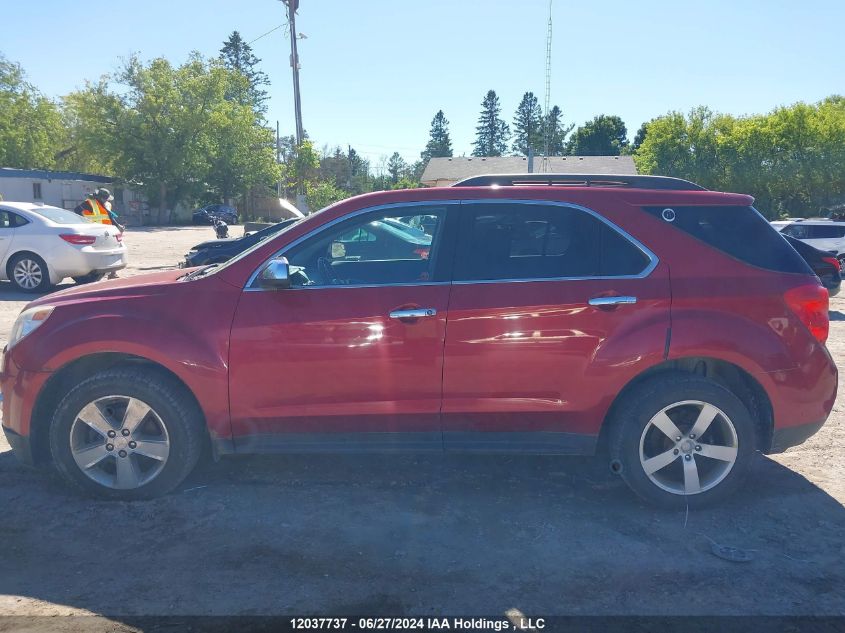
{"type": "Point", "coordinates": [207, 214]}
{"type": "Point", "coordinates": [219, 251]}
{"type": "Point", "coordinates": [531, 319]}
{"type": "Point", "coordinates": [824, 263]}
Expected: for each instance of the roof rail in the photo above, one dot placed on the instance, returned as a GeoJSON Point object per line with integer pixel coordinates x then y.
{"type": "Point", "coordinates": [580, 180]}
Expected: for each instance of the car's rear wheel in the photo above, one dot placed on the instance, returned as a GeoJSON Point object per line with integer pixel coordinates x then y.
{"type": "Point", "coordinates": [126, 434]}
{"type": "Point", "coordinates": [89, 278]}
{"type": "Point", "coordinates": [682, 440]}
{"type": "Point", "coordinates": [29, 273]}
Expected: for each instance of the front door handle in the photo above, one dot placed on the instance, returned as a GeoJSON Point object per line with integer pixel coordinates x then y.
{"type": "Point", "coordinates": [416, 313]}
{"type": "Point", "coordinates": [601, 302]}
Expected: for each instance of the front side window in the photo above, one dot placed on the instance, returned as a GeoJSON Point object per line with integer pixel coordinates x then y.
{"type": "Point", "coordinates": [378, 248]}
{"type": "Point", "coordinates": [532, 241]}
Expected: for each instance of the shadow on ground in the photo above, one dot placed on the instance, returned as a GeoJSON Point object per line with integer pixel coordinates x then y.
{"type": "Point", "coordinates": [393, 535]}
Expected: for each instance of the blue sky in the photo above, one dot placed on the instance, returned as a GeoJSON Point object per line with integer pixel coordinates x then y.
{"type": "Point", "coordinates": [374, 73]}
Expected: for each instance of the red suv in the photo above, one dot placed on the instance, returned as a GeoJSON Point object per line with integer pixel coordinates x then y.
{"type": "Point", "coordinates": [668, 326]}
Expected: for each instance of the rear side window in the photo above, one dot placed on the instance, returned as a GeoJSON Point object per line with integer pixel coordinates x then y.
{"type": "Point", "coordinates": [530, 241]}
{"type": "Point", "coordinates": [740, 232]}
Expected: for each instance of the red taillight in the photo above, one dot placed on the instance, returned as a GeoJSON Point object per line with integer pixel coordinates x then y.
{"type": "Point", "coordinates": [810, 304]}
{"type": "Point", "coordinates": [833, 262]}
{"type": "Point", "coordinates": [73, 238]}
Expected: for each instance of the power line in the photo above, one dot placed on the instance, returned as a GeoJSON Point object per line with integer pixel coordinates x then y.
{"type": "Point", "coordinates": [274, 29]}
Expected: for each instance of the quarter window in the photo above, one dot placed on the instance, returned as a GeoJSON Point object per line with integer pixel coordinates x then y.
{"type": "Point", "coordinates": [379, 248]}
{"type": "Point", "coordinates": [530, 241]}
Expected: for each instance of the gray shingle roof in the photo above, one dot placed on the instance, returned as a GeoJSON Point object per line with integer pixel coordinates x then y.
{"type": "Point", "coordinates": [45, 174]}
{"type": "Point", "coordinates": [458, 168]}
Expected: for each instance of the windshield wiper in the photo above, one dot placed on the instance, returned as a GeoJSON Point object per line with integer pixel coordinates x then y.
{"type": "Point", "coordinates": [202, 272]}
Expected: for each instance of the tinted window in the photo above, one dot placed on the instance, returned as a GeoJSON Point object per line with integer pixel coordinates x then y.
{"type": "Point", "coordinates": [818, 231]}
{"type": "Point", "coordinates": [7, 220]}
{"type": "Point", "coordinates": [371, 249]}
{"type": "Point", "coordinates": [529, 241]}
{"type": "Point", "coordinates": [740, 232]}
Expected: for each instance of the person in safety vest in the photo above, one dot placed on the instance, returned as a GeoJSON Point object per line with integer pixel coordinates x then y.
{"type": "Point", "coordinates": [97, 208]}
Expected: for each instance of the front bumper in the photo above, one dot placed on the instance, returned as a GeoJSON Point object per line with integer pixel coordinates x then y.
{"type": "Point", "coordinates": [20, 446]}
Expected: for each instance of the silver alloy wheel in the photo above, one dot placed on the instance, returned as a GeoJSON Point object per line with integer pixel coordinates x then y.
{"type": "Point", "coordinates": [28, 274]}
{"type": "Point", "coordinates": [120, 442]}
{"type": "Point", "coordinates": [688, 447]}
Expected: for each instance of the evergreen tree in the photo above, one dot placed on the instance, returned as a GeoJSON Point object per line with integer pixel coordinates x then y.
{"type": "Point", "coordinates": [528, 126]}
{"type": "Point", "coordinates": [439, 144]}
{"type": "Point", "coordinates": [237, 55]}
{"type": "Point", "coordinates": [396, 167]}
{"type": "Point", "coordinates": [640, 137]}
{"type": "Point", "coordinates": [557, 131]}
{"type": "Point", "coordinates": [492, 132]}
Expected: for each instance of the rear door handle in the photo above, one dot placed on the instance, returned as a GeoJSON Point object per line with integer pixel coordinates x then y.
{"type": "Point", "coordinates": [417, 313]}
{"type": "Point", "coordinates": [600, 302]}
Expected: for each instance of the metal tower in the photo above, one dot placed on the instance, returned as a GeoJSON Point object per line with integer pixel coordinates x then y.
{"type": "Point", "coordinates": [546, 131]}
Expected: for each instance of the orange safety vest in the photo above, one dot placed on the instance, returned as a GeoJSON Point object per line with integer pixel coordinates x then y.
{"type": "Point", "coordinates": [97, 212]}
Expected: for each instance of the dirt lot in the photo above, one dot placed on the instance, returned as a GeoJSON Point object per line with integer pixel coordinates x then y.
{"type": "Point", "coordinates": [421, 535]}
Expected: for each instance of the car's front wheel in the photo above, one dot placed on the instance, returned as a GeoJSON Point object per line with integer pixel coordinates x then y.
{"type": "Point", "coordinates": [29, 273]}
{"type": "Point", "coordinates": [681, 440]}
{"type": "Point", "coordinates": [126, 433]}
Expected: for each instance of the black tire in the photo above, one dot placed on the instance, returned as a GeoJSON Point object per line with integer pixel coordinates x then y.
{"type": "Point", "coordinates": [632, 415]}
{"type": "Point", "coordinates": [172, 403]}
{"type": "Point", "coordinates": [33, 263]}
{"type": "Point", "coordinates": [89, 278]}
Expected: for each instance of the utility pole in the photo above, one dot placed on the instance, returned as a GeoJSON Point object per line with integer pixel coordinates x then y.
{"type": "Point", "coordinates": [292, 6]}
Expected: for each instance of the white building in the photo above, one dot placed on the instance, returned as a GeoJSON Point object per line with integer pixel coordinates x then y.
{"type": "Point", "coordinates": [65, 189]}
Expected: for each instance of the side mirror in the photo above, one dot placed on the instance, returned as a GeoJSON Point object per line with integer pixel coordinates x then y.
{"type": "Point", "coordinates": [276, 275]}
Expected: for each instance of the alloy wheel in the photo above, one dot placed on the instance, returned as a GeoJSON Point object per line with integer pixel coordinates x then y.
{"type": "Point", "coordinates": [28, 274]}
{"type": "Point", "coordinates": [688, 447]}
{"type": "Point", "coordinates": [119, 442]}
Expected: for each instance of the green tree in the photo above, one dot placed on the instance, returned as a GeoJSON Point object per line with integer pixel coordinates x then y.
{"type": "Point", "coordinates": [528, 126]}
{"type": "Point", "coordinates": [321, 193]}
{"type": "Point", "coordinates": [491, 133]}
{"type": "Point", "coordinates": [557, 131]}
{"type": "Point", "coordinates": [396, 167]}
{"type": "Point", "coordinates": [237, 55]}
{"type": "Point", "coordinates": [640, 136]}
{"type": "Point", "coordinates": [173, 132]}
{"type": "Point", "coordinates": [31, 130]}
{"type": "Point", "coordinates": [603, 136]}
{"type": "Point", "coordinates": [792, 160]}
{"type": "Point", "coordinates": [439, 144]}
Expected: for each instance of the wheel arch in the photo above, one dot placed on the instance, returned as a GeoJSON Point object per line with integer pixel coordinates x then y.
{"type": "Point", "coordinates": [734, 378]}
{"type": "Point", "coordinates": [24, 251]}
{"type": "Point", "coordinates": [63, 379]}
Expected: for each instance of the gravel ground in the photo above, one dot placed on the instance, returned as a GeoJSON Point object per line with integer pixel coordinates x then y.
{"type": "Point", "coordinates": [420, 535]}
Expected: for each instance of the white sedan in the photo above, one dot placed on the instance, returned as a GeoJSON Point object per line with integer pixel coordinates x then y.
{"type": "Point", "coordinates": [40, 245]}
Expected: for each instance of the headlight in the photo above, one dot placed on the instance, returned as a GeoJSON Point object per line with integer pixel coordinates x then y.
{"type": "Point", "coordinates": [27, 321]}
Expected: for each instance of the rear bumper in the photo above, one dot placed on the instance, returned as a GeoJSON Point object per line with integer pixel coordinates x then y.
{"type": "Point", "coordinates": [789, 436]}
{"type": "Point", "coordinates": [78, 262]}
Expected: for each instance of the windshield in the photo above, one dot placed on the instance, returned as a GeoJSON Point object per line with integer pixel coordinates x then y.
{"type": "Point", "coordinates": [60, 216]}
